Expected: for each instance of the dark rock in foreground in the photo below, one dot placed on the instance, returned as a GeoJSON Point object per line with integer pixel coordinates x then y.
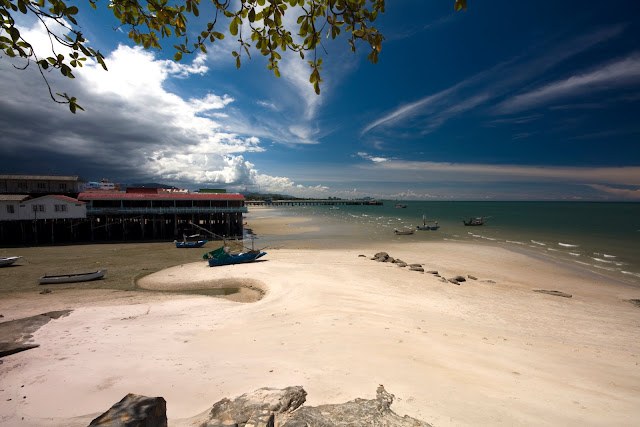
{"type": "Point", "coordinates": [15, 335]}
{"type": "Point", "coordinates": [355, 413]}
{"type": "Point", "coordinates": [135, 411]}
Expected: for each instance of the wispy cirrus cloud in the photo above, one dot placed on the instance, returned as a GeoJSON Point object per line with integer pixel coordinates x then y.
{"type": "Point", "coordinates": [490, 85]}
{"type": "Point", "coordinates": [617, 74]}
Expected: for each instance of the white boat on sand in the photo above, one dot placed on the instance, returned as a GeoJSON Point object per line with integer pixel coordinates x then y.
{"type": "Point", "coordinates": [71, 278]}
{"type": "Point", "coordinates": [4, 261]}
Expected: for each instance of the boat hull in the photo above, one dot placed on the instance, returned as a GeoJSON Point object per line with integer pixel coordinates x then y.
{"type": "Point", "coordinates": [435, 227]}
{"type": "Point", "coordinates": [236, 259]}
{"type": "Point", "coordinates": [72, 278]}
{"type": "Point", "coordinates": [4, 261]}
{"type": "Point", "coordinates": [197, 244]}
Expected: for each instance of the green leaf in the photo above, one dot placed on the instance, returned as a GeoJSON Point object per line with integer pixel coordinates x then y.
{"type": "Point", "coordinates": [177, 56]}
{"type": "Point", "coordinates": [233, 27]}
{"type": "Point", "coordinates": [237, 62]}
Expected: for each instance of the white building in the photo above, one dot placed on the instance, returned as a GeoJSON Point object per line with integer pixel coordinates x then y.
{"type": "Point", "coordinates": [21, 208]}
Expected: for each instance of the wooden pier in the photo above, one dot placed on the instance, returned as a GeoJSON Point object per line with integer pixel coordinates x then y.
{"type": "Point", "coordinates": [299, 202]}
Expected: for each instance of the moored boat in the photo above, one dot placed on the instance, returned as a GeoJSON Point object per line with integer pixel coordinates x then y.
{"type": "Point", "coordinates": [4, 261]}
{"type": "Point", "coordinates": [424, 225]}
{"type": "Point", "coordinates": [403, 232]}
{"type": "Point", "coordinates": [197, 244]}
{"type": "Point", "coordinates": [400, 205]}
{"type": "Point", "coordinates": [222, 257]}
{"type": "Point", "coordinates": [71, 278]}
{"type": "Point", "coordinates": [475, 221]}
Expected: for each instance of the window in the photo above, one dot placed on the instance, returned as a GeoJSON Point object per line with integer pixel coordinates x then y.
{"type": "Point", "coordinates": [11, 209]}
{"type": "Point", "coordinates": [61, 208]}
{"type": "Point", "coordinates": [37, 208]}
{"type": "Point", "coordinates": [42, 186]}
{"type": "Point", "coordinates": [62, 186]}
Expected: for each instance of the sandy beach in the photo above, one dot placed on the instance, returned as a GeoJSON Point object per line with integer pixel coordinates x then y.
{"type": "Point", "coordinates": [489, 351]}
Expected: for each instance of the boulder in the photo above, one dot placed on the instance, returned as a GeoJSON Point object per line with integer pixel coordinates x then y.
{"type": "Point", "coordinates": [415, 265]}
{"type": "Point", "coordinates": [472, 277]}
{"type": "Point", "coordinates": [355, 413]}
{"type": "Point", "coordinates": [256, 408]}
{"type": "Point", "coordinates": [454, 281]}
{"type": "Point", "coordinates": [135, 411]}
{"type": "Point", "coordinates": [459, 279]}
{"type": "Point", "coordinates": [432, 272]}
{"type": "Point", "coordinates": [401, 264]}
{"type": "Point", "coordinates": [417, 269]}
{"type": "Point", "coordinates": [555, 293]}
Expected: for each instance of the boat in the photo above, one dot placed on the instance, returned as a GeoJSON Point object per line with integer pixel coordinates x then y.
{"type": "Point", "coordinates": [400, 205]}
{"type": "Point", "coordinates": [70, 278]}
{"type": "Point", "coordinates": [196, 244]}
{"type": "Point", "coordinates": [222, 257]}
{"type": "Point", "coordinates": [475, 221]}
{"type": "Point", "coordinates": [424, 225]}
{"type": "Point", "coordinates": [4, 261]}
{"type": "Point", "coordinates": [403, 232]}
{"type": "Point", "coordinates": [333, 208]}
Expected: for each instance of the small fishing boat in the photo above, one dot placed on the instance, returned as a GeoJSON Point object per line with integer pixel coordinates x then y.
{"type": "Point", "coordinates": [424, 225]}
{"type": "Point", "coordinates": [70, 278]}
{"type": "Point", "coordinates": [400, 205]}
{"type": "Point", "coordinates": [4, 261]}
{"type": "Point", "coordinates": [475, 221]}
{"type": "Point", "coordinates": [196, 244]}
{"type": "Point", "coordinates": [403, 232]}
{"type": "Point", "coordinates": [221, 257]}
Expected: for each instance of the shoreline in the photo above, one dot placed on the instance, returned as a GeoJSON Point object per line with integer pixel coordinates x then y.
{"type": "Point", "coordinates": [338, 324]}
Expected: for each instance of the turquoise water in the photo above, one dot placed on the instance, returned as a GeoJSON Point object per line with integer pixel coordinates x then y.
{"type": "Point", "coordinates": [601, 237]}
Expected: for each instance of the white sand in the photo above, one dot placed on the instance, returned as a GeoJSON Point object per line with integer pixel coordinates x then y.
{"type": "Point", "coordinates": [338, 324]}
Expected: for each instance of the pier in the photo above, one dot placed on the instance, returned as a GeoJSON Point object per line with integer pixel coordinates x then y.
{"type": "Point", "coordinates": [300, 202]}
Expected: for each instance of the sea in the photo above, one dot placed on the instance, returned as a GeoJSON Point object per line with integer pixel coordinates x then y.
{"type": "Point", "coordinates": [603, 237]}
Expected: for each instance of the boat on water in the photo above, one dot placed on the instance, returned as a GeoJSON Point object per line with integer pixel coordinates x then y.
{"type": "Point", "coordinates": [424, 225]}
{"type": "Point", "coordinates": [480, 220]}
{"type": "Point", "coordinates": [4, 261]}
{"type": "Point", "coordinates": [196, 244]}
{"type": "Point", "coordinates": [403, 232]}
{"type": "Point", "coordinates": [222, 257]}
{"type": "Point", "coordinates": [332, 208]}
{"type": "Point", "coordinates": [71, 278]}
{"type": "Point", "coordinates": [400, 205]}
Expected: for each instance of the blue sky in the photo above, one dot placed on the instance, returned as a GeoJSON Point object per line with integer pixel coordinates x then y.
{"type": "Point", "coordinates": [506, 101]}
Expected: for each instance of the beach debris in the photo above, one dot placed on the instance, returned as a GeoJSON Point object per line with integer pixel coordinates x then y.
{"type": "Point", "coordinates": [472, 277]}
{"type": "Point", "coordinates": [555, 293]}
{"type": "Point", "coordinates": [135, 410]}
{"type": "Point", "coordinates": [362, 256]}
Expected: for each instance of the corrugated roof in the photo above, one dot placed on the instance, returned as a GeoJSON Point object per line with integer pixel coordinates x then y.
{"type": "Point", "coordinates": [13, 197]}
{"type": "Point", "coordinates": [42, 177]}
{"type": "Point", "coordinates": [121, 195]}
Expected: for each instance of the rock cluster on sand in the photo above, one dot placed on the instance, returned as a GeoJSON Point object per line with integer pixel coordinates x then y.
{"type": "Point", "coordinates": [265, 407]}
{"type": "Point", "coordinates": [456, 280]}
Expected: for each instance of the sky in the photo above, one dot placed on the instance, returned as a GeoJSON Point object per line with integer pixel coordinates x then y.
{"type": "Point", "coordinates": [509, 100]}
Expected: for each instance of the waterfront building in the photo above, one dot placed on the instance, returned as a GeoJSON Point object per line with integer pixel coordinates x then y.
{"type": "Point", "coordinates": [40, 184]}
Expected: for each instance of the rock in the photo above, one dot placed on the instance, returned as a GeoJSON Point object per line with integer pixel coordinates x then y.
{"type": "Point", "coordinates": [363, 256]}
{"type": "Point", "coordinates": [635, 302]}
{"type": "Point", "coordinates": [459, 279]}
{"type": "Point", "coordinates": [556, 293]}
{"type": "Point", "coordinates": [15, 335]}
{"type": "Point", "coordinates": [432, 272]}
{"type": "Point", "coordinates": [355, 413]}
{"type": "Point", "coordinates": [442, 279]}
{"type": "Point", "coordinates": [390, 259]}
{"type": "Point", "coordinates": [135, 411]}
{"type": "Point", "coordinates": [454, 281]}
{"type": "Point", "coordinates": [472, 277]}
{"type": "Point", "coordinates": [255, 406]}
{"type": "Point", "coordinates": [401, 264]}
{"type": "Point", "coordinates": [415, 265]}
{"type": "Point", "coordinates": [45, 291]}
{"type": "Point", "coordinates": [417, 269]}
{"type": "Point", "coordinates": [489, 281]}
{"type": "Point", "coordinates": [381, 255]}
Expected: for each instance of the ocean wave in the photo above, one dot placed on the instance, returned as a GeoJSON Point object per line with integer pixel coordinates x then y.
{"type": "Point", "coordinates": [631, 273]}
{"type": "Point", "coordinates": [583, 263]}
{"type": "Point", "coordinates": [568, 245]}
{"type": "Point", "coordinates": [514, 242]}
{"type": "Point", "coordinates": [602, 260]}
{"type": "Point", "coordinates": [604, 268]}
{"type": "Point", "coordinates": [538, 243]}
{"type": "Point", "coordinates": [552, 249]}
{"type": "Point", "coordinates": [574, 254]}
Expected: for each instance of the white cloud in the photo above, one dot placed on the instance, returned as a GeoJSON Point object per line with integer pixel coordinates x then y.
{"type": "Point", "coordinates": [616, 74]}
